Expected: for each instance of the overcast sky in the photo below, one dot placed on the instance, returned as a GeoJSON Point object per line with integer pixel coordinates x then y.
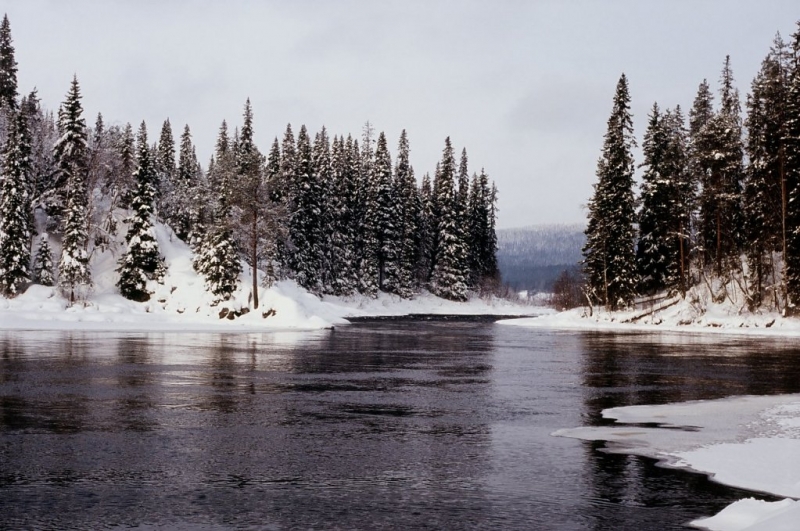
{"type": "Point", "coordinates": [525, 86]}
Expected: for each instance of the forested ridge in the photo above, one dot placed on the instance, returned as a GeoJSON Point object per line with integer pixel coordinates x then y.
{"type": "Point", "coordinates": [338, 214]}
{"type": "Point", "coordinates": [719, 201]}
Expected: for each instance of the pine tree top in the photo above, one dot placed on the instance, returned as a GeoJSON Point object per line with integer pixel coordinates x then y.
{"type": "Point", "coordinates": [8, 67]}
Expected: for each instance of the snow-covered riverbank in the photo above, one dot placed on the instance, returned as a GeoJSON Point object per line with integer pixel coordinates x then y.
{"type": "Point", "coordinates": [181, 303]}
{"type": "Point", "coordinates": [695, 313]}
{"type": "Point", "coordinates": [750, 442]}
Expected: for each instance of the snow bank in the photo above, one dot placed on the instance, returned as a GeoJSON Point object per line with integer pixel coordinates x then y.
{"type": "Point", "coordinates": [426, 303]}
{"type": "Point", "coordinates": [754, 515]}
{"type": "Point", "coordinates": [181, 302]}
{"type": "Point", "coordinates": [695, 313]}
{"type": "Point", "coordinates": [750, 442]}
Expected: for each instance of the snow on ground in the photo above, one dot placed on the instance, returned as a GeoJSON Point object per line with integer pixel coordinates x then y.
{"type": "Point", "coordinates": [750, 442]}
{"type": "Point", "coordinates": [695, 313]}
{"type": "Point", "coordinates": [181, 302]}
{"type": "Point", "coordinates": [426, 303]}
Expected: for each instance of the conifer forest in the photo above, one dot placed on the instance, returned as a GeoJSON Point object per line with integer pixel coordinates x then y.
{"type": "Point", "coordinates": [719, 199]}
{"type": "Point", "coordinates": [338, 214]}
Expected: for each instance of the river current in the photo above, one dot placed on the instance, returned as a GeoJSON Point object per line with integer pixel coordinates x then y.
{"type": "Point", "coordinates": [394, 425]}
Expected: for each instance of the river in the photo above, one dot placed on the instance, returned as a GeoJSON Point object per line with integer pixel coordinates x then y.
{"type": "Point", "coordinates": [396, 425]}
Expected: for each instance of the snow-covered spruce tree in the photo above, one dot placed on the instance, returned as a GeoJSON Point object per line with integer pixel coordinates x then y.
{"type": "Point", "coordinates": [609, 258]}
{"type": "Point", "coordinates": [685, 192]}
{"type": "Point", "coordinates": [383, 215]}
{"type": "Point", "coordinates": [792, 169]}
{"type": "Point", "coordinates": [367, 243]}
{"type": "Point", "coordinates": [285, 186]}
{"type": "Point", "coordinates": [278, 213]}
{"type": "Point", "coordinates": [305, 229]}
{"type": "Point", "coordinates": [321, 164]}
{"type": "Point", "coordinates": [43, 263]}
{"type": "Point", "coordinates": [141, 262]}
{"type": "Point", "coordinates": [491, 270]}
{"type": "Point", "coordinates": [74, 276]}
{"type": "Point", "coordinates": [462, 209]}
{"type": "Point", "coordinates": [42, 126]}
{"type": "Point", "coordinates": [186, 192]}
{"type": "Point", "coordinates": [721, 220]}
{"type": "Point", "coordinates": [426, 230]}
{"type": "Point", "coordinates": [15, 209]}
{"type": "Point", "coordinates": [700, 149]}
{"type": "Point", "coordinates": [8, 67]}
{"type": "Point", "coordinates": [217, 258]}
{"type": "Point", "coordinates": [127, 154]}
{"type": "Point", "coordinates": [166, 172]}
{"type": "Point", "coordinates": [449, 279]}
{"type": "Point", "coordinates": [764, 194]}
{"type": "Point", "coordinates": [343, 231]}
{"type": "Point", "coordinates": [656, 251]}
{"type": "Point", "coordinates": [482, 238]}
{"type": "Point", "coordinates": [408, 204]}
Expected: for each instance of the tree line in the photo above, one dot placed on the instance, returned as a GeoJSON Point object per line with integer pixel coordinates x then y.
{"type": "Point", "coordinates": [335, 214]}
{"type": "Point", "coordinates": [719, 200]}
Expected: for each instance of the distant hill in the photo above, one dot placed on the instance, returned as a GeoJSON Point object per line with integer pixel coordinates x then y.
{"type": "Point", "coordinates": [530, 258]}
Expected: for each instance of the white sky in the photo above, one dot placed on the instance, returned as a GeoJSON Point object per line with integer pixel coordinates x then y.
{"type": "Point", "coordinates": [525, 86]}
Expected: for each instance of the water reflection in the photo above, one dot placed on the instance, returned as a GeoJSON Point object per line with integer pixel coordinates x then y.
{"type": "Point", "coordinates": [370, 424]}
{"type": "Point", "coordinates": [395, 425]}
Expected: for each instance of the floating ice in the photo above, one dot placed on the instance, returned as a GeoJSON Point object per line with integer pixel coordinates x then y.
{"type": "Point", "coordinates": [750, 442]}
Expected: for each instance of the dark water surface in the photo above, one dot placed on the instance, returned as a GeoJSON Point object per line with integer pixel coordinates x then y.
{"type": "Point", "coordinates": [379, 425]}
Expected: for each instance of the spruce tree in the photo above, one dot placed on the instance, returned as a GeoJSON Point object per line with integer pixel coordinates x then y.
{"type": "Point", "coordinates": [656, 254]}
{"type": "Point", "coordinates": [142, 261]}
{"type": "Point", "coordinates": [426, 230]}
{"type": "Point", "coordinates": [321, 164]}
{"type": "Point", "coordinates": [765, 196]}
{"type": "Point", "coordinates": [8, 67]}
{"type": "Point", "coordinates": [408, 208]}
{"type": "Point", "coordinates": [343, 223]}
{"type": "Point", "coordinates": [700, 161]}
{"type": "Point", "coordinates": [74, 276]}
{"type": "Point", "coordinates": [279, 197]}
{"type": "Point", "coordinates": [722, 162]}
{"type": "Point", "coordinates": [288, 191]}
{"type": "Point", "coordinates": [609, 258]}
{"type": "Point", "coordinates": [187, 193]}
{"type": "Point", "coordinates": [462, 213]}
{"type": "Point", "coordinates": [791, 144]}
{"type": "Point", "coordinates": [684, 193]}
{"type": "Point", "coordinates": [481, 229]}
{"type": "Point", "coordinates": [127, 155]}
{"type": "Point", "coordinates": [43, 263]}
{"type": "Point", "coordinates": [165, 173]}
{"type": "Point", "coordinates": [382, 215]}
{"type": "Point", "coordinates": [217, 259]}
{"type": "Point", "coordinates": [305, 229]}
{"type": "Point", "coordinates": [15, 209]}
{"type": "Point", "coordinates": [448, 279]}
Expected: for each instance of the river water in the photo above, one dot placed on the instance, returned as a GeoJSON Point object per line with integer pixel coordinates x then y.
{"type": "Point", "coordinates": [397, 425]}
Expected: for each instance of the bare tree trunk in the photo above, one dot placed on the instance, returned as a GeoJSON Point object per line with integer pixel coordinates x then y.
{"type": "Point", "coordinates": [719, 242]}
{"type": "Point", "coordinates": [683, 258]}
{"type": "Point", "coordinates": [784, 201]}
{"type": "Point", "coordinates": [254, 259]}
